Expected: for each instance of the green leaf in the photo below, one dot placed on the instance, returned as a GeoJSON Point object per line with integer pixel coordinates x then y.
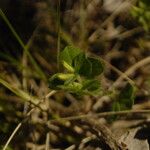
{"type": "Point", "coordinates": [73, 87]}
{"type": "Point", "coordinates": [82, 65]}
{"type": "Point", "coordinates": [97, 67]}
{"type": "Point", "coordinates": [91, 85]}
{"type": "Point", "coordinates": [128, 91]}
{"type": "Point", "coordinates": [59, 79]}
{"type": "Point", "coordinates": [141, 13]}
{"type": "Point", "coordinates": [78, 64]}
{"type": "Point", "coordinates": [116, 106]}
{"type": "Point", "coordinates": [125, 98]}
{"type": "Point", "coordinates": [68, 54]}
{"type": "Point", "coordinates": [87, 66]}
{"type": "Point", "coordinates": [68, 67]}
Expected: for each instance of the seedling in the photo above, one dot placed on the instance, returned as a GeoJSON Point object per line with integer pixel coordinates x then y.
{"type": "Point", "coordinates": [79, 77]}
{"type": "Point", "coordinates": [79, 73]}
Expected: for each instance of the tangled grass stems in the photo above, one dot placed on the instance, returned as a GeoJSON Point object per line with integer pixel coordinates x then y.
{"type": "Point", "coordinates": [103, 114]}
{"type": "Point", "coordinates": [24, 47]}
{"type": "Point", "coordinates": [26, 118]}
{"type": "Point", "coordinates": [131, 70]}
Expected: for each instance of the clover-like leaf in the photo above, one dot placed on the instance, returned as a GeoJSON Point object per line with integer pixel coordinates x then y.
{"type": "Point", "coordinates": [82, 65]}
{"type": "Point", "coordinates": [97, 67]}
{"type": "Point", "coordinates": [125, 99]}
{"type": "Point", "coordinates": [87, 66]}
{"type": "Point", "coordinates": [91, 85]}
{"type": "Point", "coordinates": [68, 54]}
{"type": "Point", "coordinates": [81, 69]}
{"type": "Point", "coordinates": [127, 95]}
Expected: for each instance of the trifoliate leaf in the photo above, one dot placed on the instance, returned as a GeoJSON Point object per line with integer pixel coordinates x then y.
{"type": "Point", "coordinates": [127, 96]}
{"type": "Point", "coordinates": [78, 64]}
{"type": "Point", "coordinates": [125, 99]}
{"type": "Point", "coordinates": [87, 66]}
{"type": "Point", "coordinates": [68, 54]}
{"type": "Point", "coordinates": [82, 65]}
{"type": "Point", "coordinates": [97, 67]}
{"type": "Point", "coordinates": [91, 85]}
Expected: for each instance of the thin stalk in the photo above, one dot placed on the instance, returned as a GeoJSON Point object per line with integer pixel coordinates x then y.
{"type": "Point", "coordinates": [122, 74]}
{"type": "Point", "coordinates": [24, 72]}
{"type": "Point", "coordinates": [82, 25]}
{"type": "Point", "coordinates": [58, 40]}
{"type": "Point", "coordinates": [12, 135]}
{"type": "Point", "coordinates": [26, 118]}
{"type": "Point", "coordinates": [47, 146]}
{"type": "Point", "coordinates": [22, 94]}
{"type": "Point", "coordinates": [131, 70]}
{"type": "Point", "coordinates": [25, 48]}
{"type": "Point", "coordinates": [103, 114]}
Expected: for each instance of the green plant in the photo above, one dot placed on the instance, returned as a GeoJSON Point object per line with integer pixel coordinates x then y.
{"type": "Point", "coordinates": [142, 13]}
{"type": "Point", "coordinates": [8, 148]}
{"type": "Point", "coordinates": [79, 77]}
{"type": "Point", "coordinates": [125, 98]}
{"type": "Point", "coordinates": [80, 72]}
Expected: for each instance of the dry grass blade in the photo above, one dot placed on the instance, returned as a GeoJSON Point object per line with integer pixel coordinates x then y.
{"type": "Point", "coordinates": [103, 114]}
{"type": "Point", "coordinates": [27, 115]}
{"type": "Point", "coordinates": [131, 70]}
{"type": "Point", "coordinates": [24, 95]}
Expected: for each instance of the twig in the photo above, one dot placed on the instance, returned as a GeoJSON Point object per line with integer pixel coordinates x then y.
{"type": "Point", "coordinates": [109, 19]}
{"type": "Point", "coordinates": [86, 140]}
{"type": "Point", "coordinates": [12, 135]}
{"type": "Point", "coordinates": [124, 75]}
{"type": "Point", "coordinates": [103, 133]}
{"type": "Point", "coordinates": [82, 24]}
{"type": "Point", "coordinates": [47, 142]}
{"type": "Point", "coordinates": [37, 106]}
{"type": "Point", "coordinates": [115, 13]}
{"type": "Point", "coordinates": [58, 40]}
{"type": "Point", "coordinates": [103, 114]}
{"type": "Point", "coordinates": [28, 114]}
{"type": "Point", "coordinates": [131, 70]}
{"type": "Point", "coordinates": [72, 147]}
{"type": "Point", "coordinates": [129, 33]}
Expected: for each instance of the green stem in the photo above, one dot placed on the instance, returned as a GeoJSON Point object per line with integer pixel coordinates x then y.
{"type": "Point", "coordinates": [25, 47]}
{"type": "Point", "coordinates": [58, 40]}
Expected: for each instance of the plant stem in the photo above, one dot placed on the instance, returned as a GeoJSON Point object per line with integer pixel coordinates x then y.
{"type": "Point", "coordinates": [26, 117]}
{"type": "Point", "coordinates": [12, 135]}
{"type": "Point", "coordinates": [131, 70]}
{"type": "Point", "coordinates": [24, 47]}
{"type": "Point", "coordinates": [58, 30]}
{"type": "Point", "coordinates": [103, 114]}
